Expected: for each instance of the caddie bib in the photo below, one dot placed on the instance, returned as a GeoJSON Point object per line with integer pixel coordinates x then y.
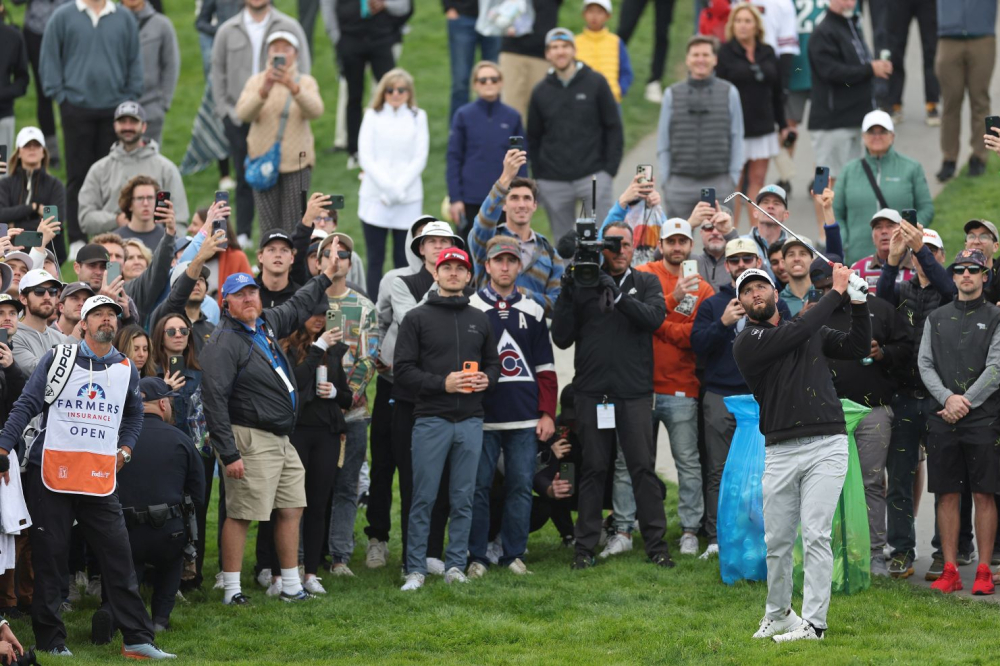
{"type": "Point", "coordinates": [80, 451]}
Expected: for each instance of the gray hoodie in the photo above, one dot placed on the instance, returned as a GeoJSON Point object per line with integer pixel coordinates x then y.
{"type": "Point", "coordinates": [161, 61]}
{"type": "Point", "coordinates": [99, 194]}
{"type": "Point", "coordinates": [29, 346]}
{"type": "Point", "coordinates": [388, 324]}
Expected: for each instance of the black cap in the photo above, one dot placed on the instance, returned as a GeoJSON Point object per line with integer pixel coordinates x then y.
{"type": "Point", "coordinates": [273, 236]}
{"type": "Point", "coordinates": [154, 388]}
{"type": "Point", "coordinates": [821, 269]}
{"type": "Point", "coordinates": [91, 252]}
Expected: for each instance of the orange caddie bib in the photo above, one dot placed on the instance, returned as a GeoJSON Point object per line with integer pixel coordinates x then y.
{"type": "Point", "coordinates": [81, 431]}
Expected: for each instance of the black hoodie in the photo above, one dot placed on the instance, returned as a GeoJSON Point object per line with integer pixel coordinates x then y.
{"type": "Point", "coordinates": [436, 339]}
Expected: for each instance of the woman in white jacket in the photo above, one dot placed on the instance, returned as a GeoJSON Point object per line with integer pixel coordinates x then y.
{"type": "Point", "coordinates": [392, 152]}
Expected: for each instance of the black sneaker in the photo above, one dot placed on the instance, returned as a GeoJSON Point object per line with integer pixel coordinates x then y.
{"type": "Point", "coordinates": [947, 171]}
{"type": "Point", "coordinates": [568, 540]}
{"type": "Point", "coordinates": [995, 560]}
{"type": "Point", "coordinates": [965, 557]}
{"type": "Point", "coordinates": [583, 561]}
{"type": "Point", "coordinates": [11, 613]}
{"type": "Point", "coordinates": [901, 565]}
{"type": "Point", "coordinates": [663, 560]}
{"type": "Point", "coordinates": [239, 599]}
{"type": "Point", "coordinates": [936, 568]}
{"type": "Point", "coordinates": [101, 627]}
{"type": "Point", "coordinates": [977, 167]}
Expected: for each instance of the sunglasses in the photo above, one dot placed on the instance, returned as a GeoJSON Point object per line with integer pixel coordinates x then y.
{"type": "Point", "coordinates": [171, 332]}
{"type": "Point", "coordinates": [341, 254]}
{"type": "Point", "coordinates": [401, 90]}
{"type": "Point", "coordinates": [741, 259]}
{"type": "Point", "coordinates": [41, 291]}
{"type": "Point", "coordinates": [971, 270]}
{"type": "Point", "coordinates": [488, 79]}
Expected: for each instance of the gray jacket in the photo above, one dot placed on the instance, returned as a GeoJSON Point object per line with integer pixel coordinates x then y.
{"type": "Point", "coordinates": [161, 61]}
{"type": "Point", "coordinates": [966, 18]}
{"type": "Point", "coordinates": [99, 194]}
{"type": "Point", "coordinates": [231, 59]}
{"type": "Point", "coordinates": [38, 13]}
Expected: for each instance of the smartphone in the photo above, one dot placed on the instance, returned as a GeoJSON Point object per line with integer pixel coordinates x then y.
{"type": "Point", "coordinates": [646, 173]}
{"type": "Point", "coordinates": [3, 229]}
{"type": "Point", "coordinates": [708, 196]}
{"type": "Point", "coordinates": [822, 180]}
{"type": "Point", "coordinates": [220, 225]}
{"type": "Point", "coordinates": [335, 319]}
{"type": "Point", "coordinates": [114, 271]}
{"type": "Point", "coordinates": [690, 267]}
{"type": "Point", "coordinates": [910, 215]}
{"type": "Point", "coordinates": [336, 202]}
{"type": "Point", "coordinates": [279, 61]}
{"type": "Point", "coordinates": [177, 364]}
{"type": "Point", "coordinates": [4, 336]}
{"type": "Point", "coordinates": [3, 151]}
{"type": "Point", "coordinates": [470, 366]}
{"type": "Point", "coordinates": [162, 197]}
{"type": "Point", "coordinates": [813, 296]}
{"type": "Point", "coordinates": [29, 239]}
{"type": "Point", "coordinates": [567, 472]}
{"type": "Point", "coordinates": [991, 122]}
{"type": "Point", "coordinates": [223, 196]}
{"type": "Point", "coordinates": [515, 143]}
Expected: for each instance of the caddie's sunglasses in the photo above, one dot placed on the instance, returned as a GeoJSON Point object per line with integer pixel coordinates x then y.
{"type": "Point", "coordinates": [971, 270]}
{"type": "Point", "coordinates": [341, 254]}
{"type": "Point", "coordinates": [171, 332]}
{"type": "Point", "coordinates": [483, 80]}
{"type": "Point", "coordinates": [41, 291]}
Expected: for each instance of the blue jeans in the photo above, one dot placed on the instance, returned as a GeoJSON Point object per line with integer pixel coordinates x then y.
{"type": "Point", "coordinates": [434, 439]}
{"type": "Point", "coordinates": [519, 450]}
{"type": "Point", "coordinates": [344, 507]}
{"type": "Point", "coordinates": [622, 496]}
{"type": "Point", "coordinates": [462, 40]}
{"type": "Point", "coordinates": [680, 416]}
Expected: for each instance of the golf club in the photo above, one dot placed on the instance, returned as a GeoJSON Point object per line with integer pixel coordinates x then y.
{"type": "Point", "coordinates": [797, 237]}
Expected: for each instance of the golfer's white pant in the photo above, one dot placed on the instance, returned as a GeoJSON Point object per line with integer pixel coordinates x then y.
{"type": "Point", "coordinates": [803, 478]}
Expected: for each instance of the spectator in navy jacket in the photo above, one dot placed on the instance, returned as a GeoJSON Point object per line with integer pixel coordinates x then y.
{"type": "Point", "coordinates": [479, 139]}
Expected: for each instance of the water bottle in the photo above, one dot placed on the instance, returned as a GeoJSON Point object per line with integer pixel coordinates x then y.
{"type": "Point", "coordinates": [320, 377]}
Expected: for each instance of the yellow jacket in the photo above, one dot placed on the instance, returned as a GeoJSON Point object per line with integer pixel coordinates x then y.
{"type": "Point", "coordinates": [604, 52]}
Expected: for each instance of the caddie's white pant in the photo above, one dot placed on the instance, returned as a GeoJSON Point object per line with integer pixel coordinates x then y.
{"type": "Point", "coordinates": [802, 481]}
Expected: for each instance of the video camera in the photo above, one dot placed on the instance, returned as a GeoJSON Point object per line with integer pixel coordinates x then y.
{"type": "Point", "coordinates": [585, 270]}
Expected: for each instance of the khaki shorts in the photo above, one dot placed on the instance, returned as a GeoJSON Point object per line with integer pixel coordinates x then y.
{"type": "Point", "coordinates": [273, 478]}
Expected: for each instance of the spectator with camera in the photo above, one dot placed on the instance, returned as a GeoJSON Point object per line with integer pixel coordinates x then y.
{"type": "Point", "coordinates": [29, 186]}
{"type": "Point", "coordinates": [639, 206]}
{"type": "Point", "coordinates": [320, 220]}
{"type": "Point", "coordinates": [541, 267]}
{"type": "Point", "coordinates": [620, 310]}
{"type": "Point", "coordinates": [717, 229]}
{"type": "Point", "coordinates": [884, 224]}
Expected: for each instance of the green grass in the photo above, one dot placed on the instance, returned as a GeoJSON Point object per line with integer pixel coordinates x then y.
{"type": "Point", "coordinates": [964, 199]}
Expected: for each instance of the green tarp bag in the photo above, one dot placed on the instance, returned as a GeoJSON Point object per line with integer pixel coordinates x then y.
{"type": "Point", "coordinates": [851, 541]}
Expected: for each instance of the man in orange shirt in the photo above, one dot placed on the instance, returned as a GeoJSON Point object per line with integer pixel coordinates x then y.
{"type": "Point", "coordinates": [674, 381]}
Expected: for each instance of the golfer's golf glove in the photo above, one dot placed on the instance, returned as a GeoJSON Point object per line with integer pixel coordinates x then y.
{"type": "Point", "coordinates": [857, 288]}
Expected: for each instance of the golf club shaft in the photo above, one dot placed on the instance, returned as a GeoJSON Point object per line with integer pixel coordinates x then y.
{"type": "Point", "coordinates": [787, 230]}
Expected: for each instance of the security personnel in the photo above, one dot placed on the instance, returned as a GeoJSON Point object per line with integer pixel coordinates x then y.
{"type": "Point", "coordinates": [165, 467]}
{"type": "Point", "coordinates": [91, 393]}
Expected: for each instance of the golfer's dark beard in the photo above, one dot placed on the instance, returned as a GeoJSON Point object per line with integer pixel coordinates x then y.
{"type": "Point", "coordinates": [765, 312]}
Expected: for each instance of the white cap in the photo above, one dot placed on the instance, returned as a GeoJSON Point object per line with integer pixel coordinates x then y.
{"type": "Point", "coordinates": [887, 214]}
{"type": "Point", "coordinates": [35, 277]}
{"type": "Point", "coordinates": [285, 35]}
{"type": "Point", "coordinates": [933, 238]}
{"type": "Point", "coordinates": [880, 118]}
{"type": "Point", "coordinates": [749, 275]}
{"type": "Point", "coordinates": [27, 135]}
{"type": "Point", "coordinates": [96, 302]}
{"type": "Point", "coordinates": [317, 234]}
{"type": "Point", "coordinates": [603, 4]}
{"type": "Point", "coordinates": [676, 226]}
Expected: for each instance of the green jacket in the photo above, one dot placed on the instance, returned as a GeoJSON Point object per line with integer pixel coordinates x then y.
{"type": "Point", "coordinates": [903, 185]}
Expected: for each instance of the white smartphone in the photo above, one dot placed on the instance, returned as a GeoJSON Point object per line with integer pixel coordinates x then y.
{"type": "Point", "coordinates": [688, 268]}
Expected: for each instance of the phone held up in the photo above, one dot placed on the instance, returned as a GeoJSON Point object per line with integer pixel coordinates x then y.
{"type": "Point", "coordinates": [821, 180]}
{"type": "Point", "coordinates": [567, 472]}
{"type": "Point", "coordinates": [221, 223]}
{"type": "Point", "coordinates": [177, 364]}
{"type": "Point", "coordinates": [708, 196]}
{"type": "Point", "coordinates": [515, 143]}
{"type": "Point", "coordinates": [910, 215]}
{"type": "Point", "coordinates": [645, 173]}
{"type": "Point", "coordinates": [689, 267]}
{"type": "Point", "coordinates": [991, 122]}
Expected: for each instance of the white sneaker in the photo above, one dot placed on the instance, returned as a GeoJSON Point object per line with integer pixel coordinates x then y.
{"type": "Point", "coordinates": [455, 575]}
{"type": "Point", "coordinates": [518, 567]}
{"type": "Point", "coordinates": [341, 569]}
{"type": "Point", "coordinates": [75, 247]}
{"type": "Point", "coordinates": [244, 241]}
{"type": "Point", "coordinates": [689, 544]}
{"type": "Point", "coordinates": [494, 551]}
{"type": "Point", "coordinates": [94, 587]}
{"type": "Point", "coordinates": [313, 586]}
{"type": "Point", "coordinates": [618, 544]}
{"type": "Point", "coordinates": [435, 567]}
{"type": "Point", "coordinates": [80, 579]}
{"type": "Point", "coordinates": [352, 163]}
{"type": "Point", "coordinates": [274, 589]}
{"type": "Point", "coordinates": [477, 570]}
{"type": "Point", "coordinates": [654, 92]}
{"type": "Point", "coordinates": [769, 627]}
{"type": "Point", "coordinates": [227, 183]}
{"type": "Point", "coordinates": [710, 552]}
{"type": "Point", "coordinates": [376, 554]}
{"type": "Point", "coordinates": [219, 583]}
{"type": "Point", "coordinates": [803, 632]}
{"type": "Point", "coordinates": [414, 581]}
{"type": "Point", "coordinates": [264, 578]}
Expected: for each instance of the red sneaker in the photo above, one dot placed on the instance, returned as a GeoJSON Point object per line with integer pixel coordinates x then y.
{"type": "Point", "coordinates": [950, 581]}
{"type": "Point", "coordinates": [984, 580]}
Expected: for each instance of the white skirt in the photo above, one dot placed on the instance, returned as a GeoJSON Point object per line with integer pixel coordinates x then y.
{"type": "Point", "coordinates": [760, 147]}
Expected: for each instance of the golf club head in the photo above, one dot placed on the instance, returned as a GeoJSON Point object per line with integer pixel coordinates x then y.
{"type": "Point", "coordinates": [732, 196]}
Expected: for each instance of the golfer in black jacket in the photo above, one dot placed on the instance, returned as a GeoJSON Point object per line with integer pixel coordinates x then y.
{"type": "Point", "coordinates": [805, 459]}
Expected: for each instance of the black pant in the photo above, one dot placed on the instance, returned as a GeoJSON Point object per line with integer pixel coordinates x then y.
{"type": "Point", "coordinates": [88, 135]}
{"type": "Point", "coordinates": [162, 550]}
{"type": "Point", "coordinates": [308, 10]}
{"type": "Point", "coordinates": [634, 427]}
{"type": "Point", "coordinates": [237, 138]}
{"type": "Point", "coordinates": [375, 241]}
{"type": "Point", "coordinates": [383, 464]}
{"type": "Point", "coordinates": [631, 10]}
{"type": "Point", "coordinates": [46, 116]}
{"type": "Point", "coordinates": [201, 516]}
{"type": "Point", "coordinates": [353, 54]}
{"type": "Point", "coordinates": [900, 13]}
{"type": "Point", "coordinates": [402, 440]}
{"type": "Point", "coordinates": [101, 518]}
{"type": "Point", "coordinates": [319, 449]}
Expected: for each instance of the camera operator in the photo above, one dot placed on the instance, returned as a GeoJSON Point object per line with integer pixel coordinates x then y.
{"type": "Point", "coordinates": [614, 389]}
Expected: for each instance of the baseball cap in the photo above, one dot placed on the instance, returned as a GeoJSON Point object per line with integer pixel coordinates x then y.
{"type": "Point", "coordinates": [887, 214]}
{"type": "Point", "coordinates": [749, 275]}
{"type": "Point", "coordinates": [285, 35]}
{"type": "Point", "coordinates": [237, 282]}
{"type": "Point", "coordinates": [181, 243]}
{"type": "Point", "coordinates": [740, 246]}
{"type": "Point", "coordinates": [435, 228]}
{"type": "Point", "coordinates": [603, 4]}
{"type": "Point", "coordinates": [793, 241]}
{"type": "Point", "coordinates": [820, 269]}
{"type": "Point", "coordinates": [933, 239]}
{"type": "Point", "coordinates": [454, 254]}
{"type": "Point", "coordinates": [974, 257]}
{"type": "Point", "coordinates": [676, 226]}
{"type": "Point", "coordinates": [35, 277]}
{"type": "Point", "coordinates": [504, 245]}
{"type": "Point", "coordinates": [877, 119]}
{"type": "Point", "coordinates": [154, 388]}
{"type": "Point", "coordinates": [275, 235]}
{"type": "Point", "coordinates": [972, 224]}
{"type": "Point", "coordinates": [775, 190]}
{"type": "Point", "coordinates": [7, 299]}
{"type": "Point", "coordinates": [317, 235]}
{"type": "Point", "coordinates": [559, 34]}
{"type": "Point", "coordinates": [346, 242]}
{"type": "Point", "coordinates": [74, 288]}
{"type": "Point", "coordinates": [27, 135]}
{"type": "Point", "coordinates": [23, 257]}
{"type": "Point", "coordinates": [132, 110]}
{"type": "Point", "coordinates": [91, 252]}
{"type": "Point", "coordinates": [180, 269]}
{"type": "Point", "coordinates": [97, 301]}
